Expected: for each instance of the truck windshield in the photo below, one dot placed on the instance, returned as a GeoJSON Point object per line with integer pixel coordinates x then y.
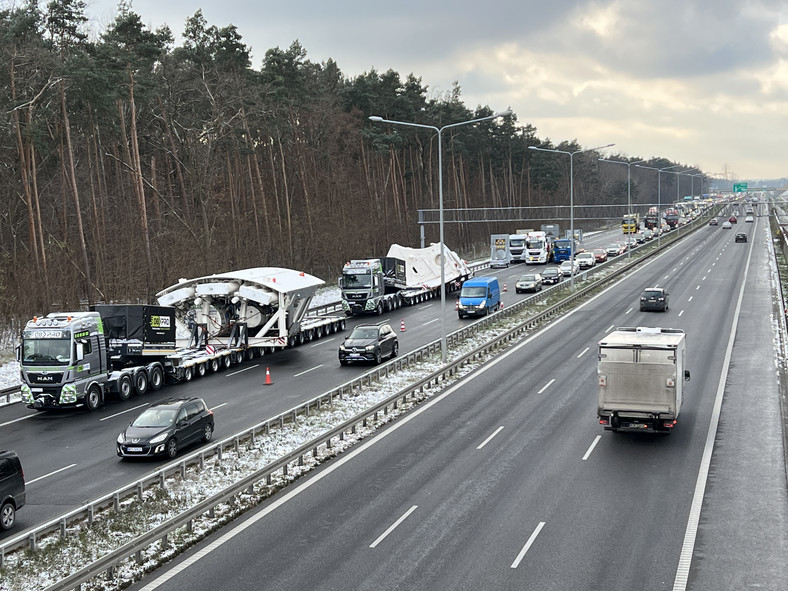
{"type": "Point", "coordinates": [53, 349]}
{"type": "Point", "coordinates": [356, 279]}
{"type": "Point", "coordinates": [516, 242]}
{"type": "Point", "coordinates": [537, 244]}
{"type": "Point", "coordinates": [472, 291]}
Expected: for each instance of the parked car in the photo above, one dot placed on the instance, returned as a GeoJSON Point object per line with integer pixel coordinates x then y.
{"type": "Point", "coordinates": [551, 275]}
{"type": "Point", "coordinates": [733, 219]}
{"type": "Point", "coordinates": [600, 254]}
{"type": "Point", "coordinates": [749, 219]}
{"type": "Point", "coordinates": [529, 282]}
{"type": "Point", "coordinates": [569, 268]}
{"type": "Point", "coordinates": [726, 225]}
{"type": "Point", "coordinates": [369, 342]}
{"type": "Point", "coordinates": [164, 428]}
{"type": "Point", "coordinates": [740, 237]}
{"type": "Point", "coordinates": [12, 488]}
{"type": "Point", "coordinates": [654, 298]}
{"type": "Point", "coordinates": [713, 222]}
{"type": "Point", "coordinates": [586, 260]}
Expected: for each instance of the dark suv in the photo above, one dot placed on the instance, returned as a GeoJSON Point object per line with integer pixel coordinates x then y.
{"type": "Point", "coordinates": [369, 342]}
{"type": "Point", "coordinates": [654, 298]}
{"type": "Point", "coordinates": [166, 427]}
{"type": "Point", "coordinates": [12, 488]}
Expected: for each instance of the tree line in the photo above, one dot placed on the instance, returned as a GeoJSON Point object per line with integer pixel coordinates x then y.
{"type": "Point", "coordinates": [127, 162]}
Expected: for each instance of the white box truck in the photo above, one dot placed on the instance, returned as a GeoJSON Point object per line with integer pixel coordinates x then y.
{"type": "Point", "coordinates": [641, 375]}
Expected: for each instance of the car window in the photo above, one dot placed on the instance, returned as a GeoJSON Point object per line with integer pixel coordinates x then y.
{"type": "Point", "coordinates": [363, 333]}
{"type": "Point", "coordinates": [181, 415]}
{"type": "Point", "coordinates": [5, 468]}
{"type": "Point", "coordinates": [193, 409]}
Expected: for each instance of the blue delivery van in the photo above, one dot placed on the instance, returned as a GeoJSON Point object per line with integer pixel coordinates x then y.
{"type": "Point", "coordinates": [479, 296]}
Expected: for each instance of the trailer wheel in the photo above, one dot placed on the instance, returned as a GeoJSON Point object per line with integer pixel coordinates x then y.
{"type": "Point", "coordinates": [156, 378]}
{"type": "Point", "coordinates": [188, 374]}
{"type": "Point", "coordinates": [201, 370]}
{"type": "Point", "coordinates": [214, 365]}
{"type": "Point", "coordinates": [141, 383]}
{"type": "Point", "coordinates": [227, 361]}
{"type": "Point", "coordinates": [249, 354]}
{"type": "Point", "coordinates": [93, 398]}
{"type": "Point", "coordinates": [124, 388]}
{"type": "Point", "coordinates": [239, 357]}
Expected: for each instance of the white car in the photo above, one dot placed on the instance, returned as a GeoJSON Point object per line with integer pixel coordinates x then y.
{"type": "Point", "coordinates": [749, 219]}
{"type": "Point", "coordinates": [569, 268]}
{"type": "Point", "coordinates": [586, 260]}
{"type": "Point", "coordinates": [726, 225]}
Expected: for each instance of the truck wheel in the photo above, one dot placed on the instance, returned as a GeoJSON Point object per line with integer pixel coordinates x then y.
{"type": "Point", "coordinates": [93, 397]}
{"type": "Point", "coordinates": [227, 361]}
{"type": "Point", "coordinates": [379, 309]}
{"type": "Point", "coordinates": [141, 383]}
{"type": "Point", "coordinates": [156, 379]}
{"type": "Point", "coordinates": [188, 374]}
{"type": "Point", "coordinates": [214, 365]}
{"type": "Point", "coordinates": [7, 515]}
{"type": "Point", "coordinates": [201, 370]}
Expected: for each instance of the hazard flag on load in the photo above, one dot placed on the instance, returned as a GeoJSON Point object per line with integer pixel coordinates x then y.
{"type": "Point", "coordinates": [209, 349]}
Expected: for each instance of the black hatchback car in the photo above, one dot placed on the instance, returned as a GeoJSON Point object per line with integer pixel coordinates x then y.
{"type": "Point", "coordinates": [12, 488]}
{"type": "Point", "coordinates": [369, 342]}
{"type": "Point", "coordinates": [654, 298]}
{"type": "Point", "coordinates": [166, 427]}
{"type": "Point", "coordinates": [740, 237]}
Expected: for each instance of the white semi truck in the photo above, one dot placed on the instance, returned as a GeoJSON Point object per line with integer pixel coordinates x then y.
{"type": "Point", "coordinates": [403, 277]}
{"type": "Point", "coordinates": [201, 325]}
{"type": "Point", "coordinates": [641, 376]}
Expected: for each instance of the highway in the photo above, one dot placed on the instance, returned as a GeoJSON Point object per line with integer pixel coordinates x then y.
{"type": "Point", "coordinates": [506, 481]}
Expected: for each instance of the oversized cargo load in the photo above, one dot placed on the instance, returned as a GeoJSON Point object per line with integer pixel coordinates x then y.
{"type": "Point", "coordinates": [640, 377]}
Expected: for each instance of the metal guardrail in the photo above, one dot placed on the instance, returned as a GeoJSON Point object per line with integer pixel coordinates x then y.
{"type": "Point", "coordinates": [8, 392]}
{"type": "Point", "coordinates": [29, 539]}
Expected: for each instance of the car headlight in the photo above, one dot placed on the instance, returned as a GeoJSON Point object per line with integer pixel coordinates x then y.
{"type": "Point", "coordinates": [342, 347]}
{"type": "Point", "coordinates": [370, 347]}
{"type": "Point", "coordinates": [120, 438]}
{"type": "Point", "coordinates": [159, 438]}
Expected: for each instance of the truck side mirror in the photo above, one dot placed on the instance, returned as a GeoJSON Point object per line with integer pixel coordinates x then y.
{"type": "Point", "coordinates": [686, 375]}
{"type": "Point", "coordinates": [19, 353]}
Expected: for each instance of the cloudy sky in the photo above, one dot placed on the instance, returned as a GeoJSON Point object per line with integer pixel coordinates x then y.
{"type": "Point", "coordinates": [701, 82]}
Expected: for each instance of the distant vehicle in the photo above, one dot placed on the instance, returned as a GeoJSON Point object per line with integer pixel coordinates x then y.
{"type": "Point", "coordinates": [654, 298]}
{"type": "Point", "coordinates": [529, 282]}
{"type": "Point", "coordinates": [12, 488]}
{"type": "Point", "coordinates": [736, 212]}
{"type": "Point", "coordinates": [631, 243]}
{"type": "Point", "coordinates": [740, 237]}
{"type": "Point", "coordinates": [630, 223]}
{"type": "Point", "coordinates": [570, 268]}
{"type": "Point", "coordinates": [733, 219]}
{"type": "Point", "coordinates": [586, 260]}
{"type": "Point", "coordinates": [713, 222]}
{"type": "Point", "coordinates": [648, 234]}
{"type": "Point", "coordinates": [551, 275]}
{"type": "Point", "coordinates": [478, 297]}
{"type": "Point", "coordinates": [166, 427]}
{"type": "Point", "coordinates": [749, 219]}
{"type": "Point", "coordinates": [613, 250]}
{"type": "Point", "coordinates": [369, 342]}
{"type": "Point", "coordinates": [639, 237]}
{"type": "Point", "coordinates": [600, 254]}
{"type": "Point", "coordinates": [726, 225]}
{"type": "Point", "coordinates": [500, 254]}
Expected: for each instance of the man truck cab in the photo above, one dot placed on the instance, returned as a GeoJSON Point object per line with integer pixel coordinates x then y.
{"type": "Point", "coordinates": [479, 296]}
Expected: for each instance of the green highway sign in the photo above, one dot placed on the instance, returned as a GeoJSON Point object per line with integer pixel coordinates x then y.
{"type": "Point", "coordinates": [739, 187]}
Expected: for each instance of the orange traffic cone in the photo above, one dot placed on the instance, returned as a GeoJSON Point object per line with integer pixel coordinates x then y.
{"type": "Point", "coordinates": [504, 287]}
{"type": "Point", "coordinates": [268, 381]}
{"type": "Point", "coordinates": [402, 326]}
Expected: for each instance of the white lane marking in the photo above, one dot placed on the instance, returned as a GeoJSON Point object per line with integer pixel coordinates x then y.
{"type": "Point", "coordinates": [431, 321]}
{"type": "Point", "coordinates": [219, 405]}
{"type": "Point", "coordinates": [709, 271]}
{"type": "Point", "coordinates": [628, 311]}
{"type": "Point", "coordinates": [393, 526]}
{"type": "Point", "coordinates": [235, 373]}
{"type": "Point", "coordinates": [591, 447]}
{"type": "Point", "coordinates": [666, 276]}
{"type": "Point", "coordinates": [17, 420]}
{"type": "Point", "coordinates": [494, 433]}
{"type": "Point", "coordinates": [546, 386]}
{"type": "Point", "coordinates": [704, 278]}
{"type": "Point", "coordinates": [321, 342]}
{"type": "Point", "coordinates": [123, 412]}
{"type": "Point", "coordinates": [583, 352]}
{"type": "Point", "coordinates": [609, 328]}
{"type": "Point", "coordinates": [50, 474]}
{"type": "Point", "coordinates": [425, 307]}
{"type": "Point", "coordinates": [682, 312]}
{"type": "Point", "coordinates": [308, 370]}
{"type": "Point", "coordinates": [697, 288]}
{"type": "Point", "coordinates": [674, 269]}
{"type": "Point", "coordinates": [690, 298]}
{"type": "Point", "coordinates": [530, 541]}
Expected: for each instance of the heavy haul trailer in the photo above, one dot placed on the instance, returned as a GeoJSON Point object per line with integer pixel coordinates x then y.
{"type": "Point", "coordinates": [404, 277]}
{"type": "Point", "coordinates": [204, 324]}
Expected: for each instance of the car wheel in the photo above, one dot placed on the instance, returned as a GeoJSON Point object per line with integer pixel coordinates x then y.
{"type": "Point", "coordinates": [7, 515]}
{"type": "Point", "coordinates": [460, 315]}
{"type": "Point", "coordinates": [343, 362]}
{"type": "Point", "coordinates": [171, 449]}
{"type": "Point", "coordinates": [207, 433]}
{"type": "Point", "coordinates": [394, 350]}
{"type": "Point", "coordinates": [378, 358]}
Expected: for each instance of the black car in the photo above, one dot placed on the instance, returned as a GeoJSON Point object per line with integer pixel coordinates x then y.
{"type": "Point", "coordinates": [551, 275]}
{"type": "Point", "coordinates": [12, 488]}
{"type": "Point", "coordinates": [166, 427]}
{"type": "Point", "coordinates": [654, 298]}
{"type": "Point", "coordinates": [369, 342]}
{"type": "Point", "coordinates": [740, 237]}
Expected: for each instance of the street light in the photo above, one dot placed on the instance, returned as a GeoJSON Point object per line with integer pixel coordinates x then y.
{"type": "Point", "coordinates": [629, 190]}
{"type": "Point", "coordinates": [659, 195]}
{"type": "Point", "coordinates": [571, 200]}
{"type": "Point", "coordinates": [444, 344]}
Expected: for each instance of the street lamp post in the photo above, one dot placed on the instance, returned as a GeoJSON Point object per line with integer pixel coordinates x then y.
{"type": "Point", "coordinates": [439, 130]}
{"type": "Point", "coordinates": [629, 189]}
{"type": "Point", "coordinates": [571, 200]}
{"type": "Point", "coordinates": [659, 195]}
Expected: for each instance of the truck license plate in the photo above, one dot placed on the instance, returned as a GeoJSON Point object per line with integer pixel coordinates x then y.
{"type": "Point", "coordinates": [132, 449]}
